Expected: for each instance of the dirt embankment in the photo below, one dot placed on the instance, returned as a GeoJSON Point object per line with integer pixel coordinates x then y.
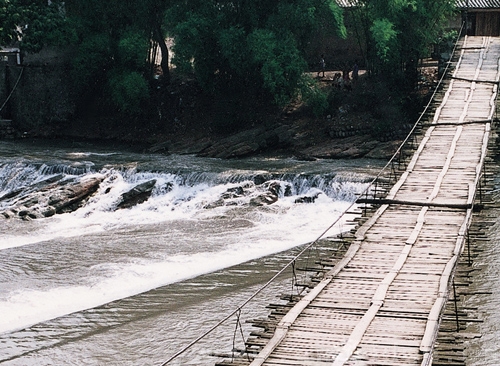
{"type": "Point", "coordinates": [185, 125]}
{"type": "Point", "coordinates": [348, 130]}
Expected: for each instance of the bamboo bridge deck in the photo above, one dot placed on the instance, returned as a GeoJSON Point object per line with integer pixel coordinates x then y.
{"type": "Point", "coordinates": [383, 302]}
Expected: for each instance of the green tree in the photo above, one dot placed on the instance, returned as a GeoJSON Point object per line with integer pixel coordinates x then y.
{"type": "Point", "coordinates": [400, 32]}
{"type": "Point", "coordinates": [115, 40]}
{"type": "Point", "coordinates": [128, 90]}
{"type": "Point", "coordinates": [32, 23]}
{"type": "Point", "coordinates": [250, 48]}
{"type": "Point", "coordinates": [397, 34]}
{"type": "Point", "coordinates": [115, 18]}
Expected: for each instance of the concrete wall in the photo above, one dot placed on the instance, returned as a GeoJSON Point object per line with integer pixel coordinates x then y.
{"type": "Point", "coordinates": [43, 98]}
{"type": "Point", "coordinates": [3, 88]}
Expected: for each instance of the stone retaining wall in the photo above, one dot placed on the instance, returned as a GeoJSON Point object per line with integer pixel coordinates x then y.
{"type": "Point", "coordinates": [7, 130]}
{"type": "Point", "coordinates": [42, 99]}
{"type": "Point", "coordinates": [393, 134]}
{"type": "Point", "coordinates": [3, 86]}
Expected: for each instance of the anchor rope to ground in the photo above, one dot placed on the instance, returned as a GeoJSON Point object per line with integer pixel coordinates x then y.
{"type": "Point", "coordinates": [13, 89]}
{"type": "Point", "coordinates": [240, 327]}
{"type": "Point", "coordinates": [373, 182]}
{"type": "Point", "coordinates": [262, 288]}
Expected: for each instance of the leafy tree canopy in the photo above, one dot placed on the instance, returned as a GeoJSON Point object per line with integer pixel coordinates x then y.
{"type": "Point", "coordinates": [250, 46]}
{"type": "Point", "coordinates": [400, 32]}
{"type": "Point", "coordinates": [114, 40]}
{"type": "Point", "coordinates": [247, 49]}
{"type": "Point", "coordinates": [32, 23]}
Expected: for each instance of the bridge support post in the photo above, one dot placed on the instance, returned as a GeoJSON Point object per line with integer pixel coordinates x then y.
{"type": "Point", "coordinates": [456, 306]}
{"type": "Point", "coordinates": [485, 182]}
{"type": "Point", "coordinates": [393, 172]}
{"type": "Point", "coordinates": [469, 262]}
{"type": "Point", "coordinates": [480, 191]}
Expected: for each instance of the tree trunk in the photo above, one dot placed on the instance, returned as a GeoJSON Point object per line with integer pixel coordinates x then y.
{"type": "Point", "coordinates": [158, 35]}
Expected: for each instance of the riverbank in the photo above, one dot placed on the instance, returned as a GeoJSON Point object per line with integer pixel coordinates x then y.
{"type": "Point", "coordinates": [359, 123]}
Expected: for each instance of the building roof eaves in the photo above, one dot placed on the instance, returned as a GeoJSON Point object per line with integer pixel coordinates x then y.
{"type": "Point", "coordinates": [347, 3]}
{"type": "Point", "coordinates": [478, 4]}
{"type": "Point", "coordinates": [460, 4]}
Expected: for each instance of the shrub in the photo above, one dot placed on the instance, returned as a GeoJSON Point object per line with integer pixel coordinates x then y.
{"type": "Point", "coordinates": [128, 90]}
{"type": "Point", "coordinates": [131, 50]}
{"type": "Point", "coordinates": [90, 64]}
{"type": "Point", "coordinates": [313, 96]}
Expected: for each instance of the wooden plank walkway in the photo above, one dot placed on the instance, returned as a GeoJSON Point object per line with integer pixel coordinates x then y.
{"type": "Point", "coordinates": [382, 303]}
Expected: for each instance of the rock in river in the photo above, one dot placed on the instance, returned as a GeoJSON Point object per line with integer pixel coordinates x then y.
{"type": "Point", "coordinates": [139, 194]}
{"type": "Point", "coordinates": [55, 196]}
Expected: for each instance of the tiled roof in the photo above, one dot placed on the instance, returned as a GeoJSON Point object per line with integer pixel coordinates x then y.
{"type": "Point", "coordinates": [347, 3]}
{"type": "Point", "coordinates": [9, 49]}
{"type": "Point", "coordinates": [461, 4]}
{"type": "Point", "coordinates": [478, 4]}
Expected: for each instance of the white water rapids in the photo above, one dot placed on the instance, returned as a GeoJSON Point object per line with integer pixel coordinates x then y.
{"type": "Point", "coordinates": [98, 257]}
{"type": "Point", "coordinates": [101, 286]}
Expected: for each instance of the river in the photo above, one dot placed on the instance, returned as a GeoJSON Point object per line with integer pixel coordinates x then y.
{"type": "Point", "coordinates": [134, 286]}
{"type": "Point", "coordinates": [101, 286]}
{"type": "Point", "coordinates": [485, 351]}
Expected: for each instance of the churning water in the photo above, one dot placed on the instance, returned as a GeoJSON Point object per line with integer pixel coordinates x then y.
{"type": "Point", "coordinates": [102, 285]}
{"type": "Point", "coordinates": [108, 286]}
{"type": "Point", "coordinates": [485, 303]}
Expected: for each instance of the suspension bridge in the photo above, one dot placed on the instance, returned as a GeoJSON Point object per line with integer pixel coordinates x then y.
{"type": "Point", "coordinates": [383, 302]}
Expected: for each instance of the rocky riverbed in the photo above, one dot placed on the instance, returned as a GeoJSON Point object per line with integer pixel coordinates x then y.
{"type": "Point", "coordinates": [283, 139]}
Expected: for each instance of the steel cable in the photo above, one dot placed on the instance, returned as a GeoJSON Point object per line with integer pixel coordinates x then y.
{"type": "Point", "coordinates": [13, 89]}
{"type": "Point", "coordinates": [310, 245]}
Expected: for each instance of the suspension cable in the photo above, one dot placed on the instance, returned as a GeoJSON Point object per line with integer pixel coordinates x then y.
{"type": "Point", "coordinates": [267, 284]}
{"type": "Point", "coordinates": [310, 245]}
{"type": "Point", "coordinates": [13, 89]}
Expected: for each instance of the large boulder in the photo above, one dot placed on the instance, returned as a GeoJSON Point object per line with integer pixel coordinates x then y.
{"type": "Point", "coordinates": [52, 197]}
{"type": "Point", "coordinates": [264, 194]}
{"type": "Point", "coordinates": [24, 191]}
{"type": "Point", "coordinates": [249, 142]}
{"type": "Point", "coordinates": [268, 197]}
{"type": "Point", "coordinates": [229, 197]}
{"type": "Point", "coordinates": [308, 198]}
{"type": "Point", "coordinates": [139, 194]}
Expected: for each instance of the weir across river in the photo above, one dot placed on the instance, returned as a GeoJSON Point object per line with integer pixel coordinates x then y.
{"type": "Point", "coordinates": [383, 302]}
